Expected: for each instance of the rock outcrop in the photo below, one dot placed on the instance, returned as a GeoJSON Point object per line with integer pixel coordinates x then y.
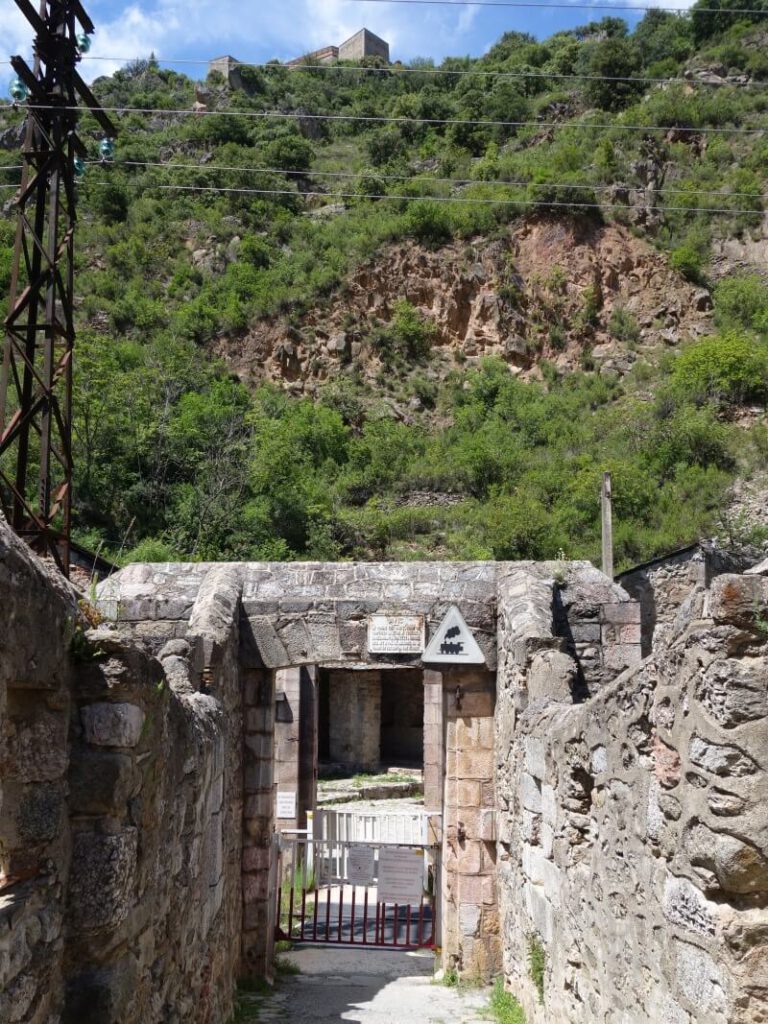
{"type": "Point", "coordinates": [560, 289]}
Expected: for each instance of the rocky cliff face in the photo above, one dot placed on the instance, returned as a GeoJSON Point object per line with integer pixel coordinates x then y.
{"type": "Point", "coordinates": [564, 290]}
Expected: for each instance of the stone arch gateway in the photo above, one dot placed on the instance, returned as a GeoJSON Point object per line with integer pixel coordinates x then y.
{"type": "Point", "coordinates": [609, 810]}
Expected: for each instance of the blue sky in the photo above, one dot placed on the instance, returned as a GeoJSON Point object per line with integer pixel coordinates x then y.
{"type": "Point", "coordinates": [259, 31]}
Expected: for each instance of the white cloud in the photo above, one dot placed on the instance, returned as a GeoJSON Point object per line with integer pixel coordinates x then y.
{"type": "Point", "coordinates": [249, 31]}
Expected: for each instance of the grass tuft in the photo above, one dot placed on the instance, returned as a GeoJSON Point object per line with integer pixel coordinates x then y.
{"type": "Point", "coordinates": [503, 1007]}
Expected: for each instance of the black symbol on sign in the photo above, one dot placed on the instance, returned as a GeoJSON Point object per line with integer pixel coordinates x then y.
{"type": "Point", "coordinates": [453, 631]}
{"type": "Point", "coordinates": [446, 648]}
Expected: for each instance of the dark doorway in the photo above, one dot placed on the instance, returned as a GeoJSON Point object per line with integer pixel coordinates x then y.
{"type": "Point", "coordinates": [402, 718]}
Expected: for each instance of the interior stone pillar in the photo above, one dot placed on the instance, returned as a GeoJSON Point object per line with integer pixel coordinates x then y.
{"type": "Point", "coordinates": [308, 712]}
{"type": "Point", "coordinates": [355, 719]}
{"type": "Point", "coordinates": [287, 727]}
{"type": "Point", "coordinates": [434, 741]}
{"type": "Point", "coordinates": [259, 861]}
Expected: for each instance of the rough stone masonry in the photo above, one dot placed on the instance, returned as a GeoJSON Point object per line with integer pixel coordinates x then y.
{"type": "Point", "coordinates": [603, 813]}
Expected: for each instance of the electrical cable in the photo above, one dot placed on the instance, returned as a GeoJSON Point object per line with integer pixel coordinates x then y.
{"type": "Point", "coordinates": [372, 119]}
{"type": "Point", "coordinates": [417, 179]}
{"type": "Point", "coordinates": [577, 6]}
{"type": "Point", "coordinates": [398, 71]}
{"type": "Point", "coordinates": [444, 199]}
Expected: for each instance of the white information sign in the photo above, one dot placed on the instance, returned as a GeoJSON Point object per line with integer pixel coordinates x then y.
{"type": "Point", "coordinates": [401, 875]}
{"type": "Point", "coordinates": [396, 634]}
{"type": "Point", "coordinates": [286, 805]}
{"type": "Point", "coordinates": [360, 865]}
{"type": "Point", "coordinates": [453, 642]}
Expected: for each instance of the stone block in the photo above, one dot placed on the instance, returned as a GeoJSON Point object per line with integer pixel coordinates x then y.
{"type": "Point", "coordinates": [549, 805]}
{"type": "Point", "coordinates": [103, 878]}
{"type": "Point", "coordinates": [255, 887]}
{"type": "Point", "coordinates": [631, 633]}
{"type": "Point", "coordinates": [352, 637]}
{"type": "Point", "coordinates": [471, 890]}
{"type": "Point", "coordinates": [720, 759]}
{"type": "Point", "coordinates": [297, 641]}
{"type": "Point", "coordinates": [469, 919]}
{"type": "Point", "coordinates": [546, 838]}
{"type": "Point", "coordinates": [686, 906]}
{"type": "Point", "coordinates": [535, 757]}
{"type": "Point", "coordinates": [738, 600]}
{"type": "Point", "coordinates": [487, 827]}
{"type": "Point", "coordinates": [551, 676]}
{"type": "Point", "coordinates": [38, 751]}
{"type": "Point", "coordinates": [468, 793]}
{"type": "Point", "coordinates": [628, 612]}
{"type": "Point", "coordinates": [112, 725]}
{"type": "Point", "coordinates": [700, 981]}
{"type": "Point", "coordinates": [102, 782]}
{"type": "Point", "coordinates": [666, 761]}
{"type": "Point", "coordinates": [469, 858]}
{"type": "Point", "coordinates": [734, 692]}
{"type": "Point", "coordinates": [485, 731]}
{"type": "Point", "coordinates": [40, 812]}
{"type": "Point", "coordinates": [540, 912]}
{"type": "Point", "coordinates": [475, 764]}
{"type": "Point", "coordinates": [738, 865]}
{"type": "Point", "coordinates": [102, 996]}
{"type": "Point", "coordinates": [255, 858]}
{"type": "Point", "coordinates": [599, 760]}
{"type": "Point", "coordinates": [619, 657]}
{"type": "Point", "coordinates": [477, 705]}
{"type": "Point", "coordinates": [530, 794]}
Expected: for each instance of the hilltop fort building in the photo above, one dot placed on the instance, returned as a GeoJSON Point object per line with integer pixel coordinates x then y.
{"type": "Point", "coordinates": [362, 44]}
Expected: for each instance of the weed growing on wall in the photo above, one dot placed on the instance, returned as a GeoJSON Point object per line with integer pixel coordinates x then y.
{"type": "Point", "coordinates": [503, 1007]}
{"type": "Point", "coordinates": [537, 964]}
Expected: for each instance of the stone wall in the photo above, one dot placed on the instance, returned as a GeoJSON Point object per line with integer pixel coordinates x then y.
{"type": "Point", "coordinates": [364, 44]}
{"type": "Point", "coordinates": [663, 585]}
{"type": "Point", "coordinates": [354, 719]}
{"type": "Point", "coordinates": [121, 815]}
{"type": "Point", "coordinates": [633, 828]}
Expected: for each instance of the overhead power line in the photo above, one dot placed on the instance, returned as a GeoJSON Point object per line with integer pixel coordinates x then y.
{"type": "Point", "coordinates": [295, 172]}
{"type": "Point", "coordinates": [261, 115]}
{"type": "Point", "coordinates": [443, 199]}
{"type": "Point", "coordinates": [397, 71]}
{"type": "Point", "coordinates": [575, 6]}
{"type": "Point", "coordinates": [417, 179]}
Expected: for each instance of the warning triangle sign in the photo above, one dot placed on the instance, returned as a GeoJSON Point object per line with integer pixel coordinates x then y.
{"type": "Point", "coordinates": [453, 642]}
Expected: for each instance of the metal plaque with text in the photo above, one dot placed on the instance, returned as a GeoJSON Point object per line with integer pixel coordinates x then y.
{"type": "Point", "coordinates": [396, 634]}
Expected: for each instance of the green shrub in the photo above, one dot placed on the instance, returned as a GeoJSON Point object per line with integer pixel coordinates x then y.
{"type": "Point", "coordinates": [730, 369]}
{"type": "Point", "coordinates": [623, 325]}
{"type": "Point", "coordinates": [687, 261]}
{"type": "Point", "coordinates": [429, 223]}
{"type": "Point", "coordinates": [742, 301]}
{"type": "Point", "coordinates": [409, 334]}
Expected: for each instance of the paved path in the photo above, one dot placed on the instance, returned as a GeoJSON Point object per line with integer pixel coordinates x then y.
{"type": "Point", "coordinates": [367, 987]}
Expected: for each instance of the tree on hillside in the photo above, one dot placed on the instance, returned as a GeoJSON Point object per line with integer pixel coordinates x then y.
{"type": "Point", "coordinates": [711, 17]}
{"type": "Point", "coordinates": [609, 63]}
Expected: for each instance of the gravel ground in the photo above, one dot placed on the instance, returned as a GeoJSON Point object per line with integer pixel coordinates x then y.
{"type": "Point", "coordinates": [367, 987]}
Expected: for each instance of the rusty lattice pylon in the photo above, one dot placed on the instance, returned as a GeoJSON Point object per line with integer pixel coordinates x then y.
{"type": "Point", "coordinates": [36, 377]}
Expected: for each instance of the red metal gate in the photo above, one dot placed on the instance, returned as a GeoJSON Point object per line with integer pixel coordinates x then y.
{"type": "Point", "coordinates": [317, 902]}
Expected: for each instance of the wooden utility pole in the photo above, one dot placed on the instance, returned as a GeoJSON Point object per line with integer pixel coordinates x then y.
{"type": "Point", "coordinates": [606, 496]}
{"type": "Point", "coordinates": [36, 371]}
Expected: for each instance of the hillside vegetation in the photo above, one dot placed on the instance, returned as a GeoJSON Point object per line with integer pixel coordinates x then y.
{"type": "Point", "coordinates": [405, 440]}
